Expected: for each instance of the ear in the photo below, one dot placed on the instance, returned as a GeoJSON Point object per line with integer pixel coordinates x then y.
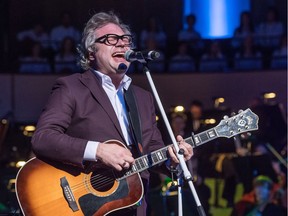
{"type": "Point", "coordinates": [91, 56]}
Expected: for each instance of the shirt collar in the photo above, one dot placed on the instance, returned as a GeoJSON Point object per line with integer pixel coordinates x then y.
{"type": "Point", "coordinates": [106, 80]}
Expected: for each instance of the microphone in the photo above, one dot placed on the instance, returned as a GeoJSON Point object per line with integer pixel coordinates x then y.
{"type": "Point", "coordinates": [122, 68]}
{"type": "Point", "coordinates": [141, 56]}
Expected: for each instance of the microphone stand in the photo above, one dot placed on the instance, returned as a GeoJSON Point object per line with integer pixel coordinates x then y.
{"type": "Point", "coordinates": [186, 173]}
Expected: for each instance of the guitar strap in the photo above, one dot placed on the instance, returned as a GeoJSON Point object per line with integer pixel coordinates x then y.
{"type": "Point", "coordinates": [134, 119]}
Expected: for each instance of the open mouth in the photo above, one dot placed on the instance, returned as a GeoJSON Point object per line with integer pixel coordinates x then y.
{"type": "Point", "coordinates": [118, 54]}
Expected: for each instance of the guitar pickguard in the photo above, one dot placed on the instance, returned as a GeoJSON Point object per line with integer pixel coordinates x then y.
{"type": "Point", "coordinates": [91, 203]}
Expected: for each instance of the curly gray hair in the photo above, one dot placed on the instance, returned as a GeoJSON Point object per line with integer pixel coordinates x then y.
{"type": "Point", "coordinates": [97, 21]}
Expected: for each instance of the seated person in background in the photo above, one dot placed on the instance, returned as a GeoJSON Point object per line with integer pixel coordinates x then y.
{"type": "Point", "coordinates": [154, 31]}
{"type": "Point", "coordinates": [213, 59]}
{"type": "Point", "coordinates": [214, 52]}
{"type": "Point", "coordinates": [37, 34]}
{"type": "Point", "coordinates": [64, 29]}
{"type": "Point", "coordinates": [279, 55]}
{"type": "Point", "coordinates": [189, 33]}
{"type": "Point", "coordinates": [195, 122]}
{"type": "Point", "coordinates": [269, 31]}
{"type": "Point", "coordinates": [248, 49]}
{"type": "Point", "coordinates": [65, 60]}
{"type": "Point", "coordinates": [182, 61]}
{"type": "Point", "coordinates": [281, 51]}
{"type": "Point", "coordinates": [248, 56]}
{"type": "Point", "coordinates": [178, 123]}
{"type": "Point", "coordinates": [157, 65]}
{"type": "Point", "coordinates": [246, 27]}
{"type": "Point", "coordinates": [259, 201]}
{"type": "Point", "coordinates": [35, 62]}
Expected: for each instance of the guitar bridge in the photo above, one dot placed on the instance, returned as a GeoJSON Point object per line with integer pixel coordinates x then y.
{"type": "Point", "coordinates": [68, 194]}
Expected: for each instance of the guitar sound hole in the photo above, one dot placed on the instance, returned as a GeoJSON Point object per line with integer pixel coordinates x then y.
{"type": "Point", "coordinates": [102, 180]}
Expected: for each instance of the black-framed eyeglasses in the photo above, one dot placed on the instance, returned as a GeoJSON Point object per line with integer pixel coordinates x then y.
{"type": "Point", "coordinates": [112, 39]}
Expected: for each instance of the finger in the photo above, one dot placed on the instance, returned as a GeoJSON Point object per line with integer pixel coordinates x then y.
{"type": "Point", "coordinates": [118, 167]}
{"type": "Point", "coordinates": [173, 155]}
{"type": "Point", "coordinates": [126, 165]}
{"type": "Point", "coordinates": [129, 159]}
{"type": "Point", "coordinates": [180, 139]}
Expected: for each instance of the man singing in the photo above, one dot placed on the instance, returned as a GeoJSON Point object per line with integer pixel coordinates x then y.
{"type": "Point", "coordinates": [86, 110]}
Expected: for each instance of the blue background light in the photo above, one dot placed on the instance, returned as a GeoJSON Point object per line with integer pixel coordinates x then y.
{"type": "Point", "coordinates": [216, 18]}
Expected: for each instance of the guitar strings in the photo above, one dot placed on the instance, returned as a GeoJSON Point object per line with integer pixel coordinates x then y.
{"type": "Point", "coordinates": [102, 180]}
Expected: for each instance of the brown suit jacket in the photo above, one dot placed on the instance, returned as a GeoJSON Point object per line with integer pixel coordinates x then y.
{"type": "Point", "coordinates": [79, 110]}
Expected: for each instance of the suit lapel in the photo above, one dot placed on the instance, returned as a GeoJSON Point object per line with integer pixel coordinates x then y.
{"type": "Point", "coordinates": [94, 85]}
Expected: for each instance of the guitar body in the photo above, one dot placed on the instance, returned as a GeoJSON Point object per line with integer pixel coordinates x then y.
{"type": "Point", "coordinates": [45, 190]}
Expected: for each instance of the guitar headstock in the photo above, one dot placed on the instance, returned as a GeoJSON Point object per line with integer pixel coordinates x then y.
{"type": "Point", "coordinates": [243, 122]}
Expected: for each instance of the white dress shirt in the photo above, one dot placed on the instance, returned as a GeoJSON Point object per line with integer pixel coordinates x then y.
{"type": "Point", "coordinates": [116, 97]}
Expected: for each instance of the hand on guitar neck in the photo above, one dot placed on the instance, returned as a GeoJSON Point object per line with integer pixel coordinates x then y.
{"type": "Point", "coordinates": [187, 151]}
{"type": "Point", "coordinates": [119, 158]}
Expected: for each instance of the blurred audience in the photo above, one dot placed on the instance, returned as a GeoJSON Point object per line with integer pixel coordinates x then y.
{"type": "Point", "coordinates": [281, 51]}
{"type": "Point", "coordinates": [248, 49]}
{"type": "Point", "coordinates": [270, 30]}
{"type": "Point", "coordinates": [153, 30]}
{"type": "Point", "coordinates": [189, 33]}
{"type": "Point", "coordinates": [197, 54]}
{"type": "Point", "coordinates": [178, 123]}
{"type": "Point", "coordinates": [65, 59]}
{"type": "Point", "coordinates": [279, 55]}
{"type": "Point", "coordinates": [214, 51]}
{"type": "Point", "coordinates": [195, 121]}
{"type": "Point", "coordinates": [248, 56]}
{"type": "Point", "coordinates": [213, 59]}
{"type": "Point", "coordinates": [36, 62]}
{"type": "Point", "coordinates": [157, 65]}
{"type": "Point", "coordinates": [182, 61]}
{"type": "Point", "coordinates": [36, 34]}
{"type": "Point", "coordinates": [246, 26]}
{"type": "Point", "coordinates": [64, 29]}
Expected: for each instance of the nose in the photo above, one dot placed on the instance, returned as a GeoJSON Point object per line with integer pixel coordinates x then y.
{"type": "Point", "coordinates": [120, 43]}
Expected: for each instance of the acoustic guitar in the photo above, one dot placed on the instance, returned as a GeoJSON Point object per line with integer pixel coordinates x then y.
{"type": "Point", "coordinates": [46, 190]}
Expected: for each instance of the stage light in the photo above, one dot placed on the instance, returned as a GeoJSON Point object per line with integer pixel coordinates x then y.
{"type": "Point", "coordinates": [4, 121]}
{"type": "Point", "coordinates": [20, 164]}
{"type": "Point", "coordinates": [210, 121]}
{"type": "Point", "coordinates": [179, 109]}
{"type": "Point", "coordinates": [11, 185]}
{"type": "Point", "coordinates": [28, 130]}
{"type": "Point", "coordinates": [218, 101]}
{"type": "Point", "coordinates": [157, 118]}
{"type": "Point", "coordinates": [269, 95]}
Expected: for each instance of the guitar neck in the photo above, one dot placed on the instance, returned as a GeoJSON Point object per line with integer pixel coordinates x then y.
{"type": "Point", "coordinates": [156, 157]}
{"type": "Point", "coordinates": [201, 138]}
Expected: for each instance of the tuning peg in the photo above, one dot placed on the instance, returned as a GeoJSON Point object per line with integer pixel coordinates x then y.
{"type": "Point", "coordinates": [225, 117]}
{"type": "Point", "coordinates": [233, 114]}
{"type": "Point", "coordinates": [240, 111]}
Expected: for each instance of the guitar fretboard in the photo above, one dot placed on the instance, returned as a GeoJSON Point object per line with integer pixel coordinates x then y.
{"type": "Point", "coordinates": [201, 138]}
{"type": "Point", "coordinates": [147, 161]}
